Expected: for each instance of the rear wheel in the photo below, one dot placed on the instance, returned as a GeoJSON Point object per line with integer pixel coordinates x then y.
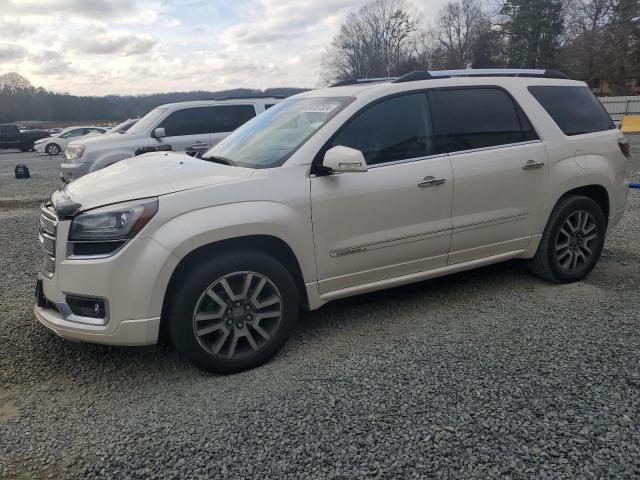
{"type": "Point", "coordinates": [53, 149]}
{"type": "Point", "coordinates": [572, 242]}
{"type": "Point", "coordinates": [233, 312]}
{"type": "Point", "coordinates": [25, 149]}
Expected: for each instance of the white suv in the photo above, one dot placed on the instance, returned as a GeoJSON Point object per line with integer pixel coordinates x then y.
{"type": "Point", "coordinates": [180, 126]}
{"type": "Point", "coordinates": [332, 193]}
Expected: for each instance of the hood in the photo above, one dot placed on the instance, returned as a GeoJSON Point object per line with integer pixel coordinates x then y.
{"type": "Point", "coordinates": [149, 175]}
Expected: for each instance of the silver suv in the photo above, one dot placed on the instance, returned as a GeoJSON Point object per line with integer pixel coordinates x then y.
{"type": "Point", "coordinates": [178, 127]}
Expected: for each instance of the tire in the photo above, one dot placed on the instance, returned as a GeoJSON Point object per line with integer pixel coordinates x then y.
{"type": "Point", "coordinates": [565, 255]}
{"type": "Point", "coordinates": [201, 302]}
{"type": "Point", "coordinates": [52, 149]}
{"type": "Point", "coordinates": [25, 149]}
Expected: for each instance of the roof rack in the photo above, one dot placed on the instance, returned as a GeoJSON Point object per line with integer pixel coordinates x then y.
{"type": "Point", "coordinates": [480, 72]}
{"type": "Point", "coordinates": [243, 97]}
{"type": "Point", "coordinates": [358, 81]}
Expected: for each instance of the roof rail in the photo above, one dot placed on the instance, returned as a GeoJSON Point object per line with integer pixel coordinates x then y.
{"type": "Point", "coordinates": [358, 81]}
{"type": "Point", "coordinates": [247, 97]}
{"type": "Point", "coordinates": [480, 72]}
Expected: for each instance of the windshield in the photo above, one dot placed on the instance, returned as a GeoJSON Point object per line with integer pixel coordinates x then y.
{"type": "Point", "coordinates": [122, 127]}
{"type": "Point", "coordinates": [273, 136]}
{"type": "Point", "coordinates": [148, 120]}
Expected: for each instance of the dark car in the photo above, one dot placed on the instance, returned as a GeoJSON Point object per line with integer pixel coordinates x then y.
{"type": "Point", "coordinates": [12, 137]}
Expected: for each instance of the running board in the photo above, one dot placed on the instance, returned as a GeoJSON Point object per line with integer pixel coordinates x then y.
{"type": "Point", "coordinates": [418, 276]}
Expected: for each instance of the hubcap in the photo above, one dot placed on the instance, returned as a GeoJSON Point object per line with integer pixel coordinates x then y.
{"type": "Point", "coordinates": [575, 241]}
{"type": "Point", "coordinates": [237, 315]}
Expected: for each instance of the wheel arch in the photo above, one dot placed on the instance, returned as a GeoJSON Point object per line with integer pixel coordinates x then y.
{"type": "Point", "coordinates": [268, 244]}
{"type": "Point", "coordinates": [597, 193]}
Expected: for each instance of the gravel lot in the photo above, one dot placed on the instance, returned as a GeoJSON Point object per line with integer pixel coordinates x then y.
{"type": "Point", "coordinates": [489, 373]}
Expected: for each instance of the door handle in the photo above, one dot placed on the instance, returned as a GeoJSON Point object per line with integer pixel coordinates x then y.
{"type": "Point", "coordinates": [431, 181]}
{"type": "Point", "coordinates": [198, 145]}
{"type": "Point", "coordinates": [532, 165]}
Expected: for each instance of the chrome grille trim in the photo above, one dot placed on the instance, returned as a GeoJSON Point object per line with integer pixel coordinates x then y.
{"type": "Point", "coordinates": [47, 228]}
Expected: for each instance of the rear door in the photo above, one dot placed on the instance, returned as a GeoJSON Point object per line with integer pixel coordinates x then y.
{"type": "Point", "coordinates": [500, 171]}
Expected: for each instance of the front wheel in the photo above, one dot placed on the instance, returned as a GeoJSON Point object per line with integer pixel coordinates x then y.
{"type": "Point", "coordinates": [233, 312]}
{"type": "Point", "coordinates": [572, 241]}
{"type": "Point", "coordinates": [52, 149]}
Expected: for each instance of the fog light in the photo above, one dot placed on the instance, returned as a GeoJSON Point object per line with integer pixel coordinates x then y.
{"type": "Point", "coordinates": [86, 306]}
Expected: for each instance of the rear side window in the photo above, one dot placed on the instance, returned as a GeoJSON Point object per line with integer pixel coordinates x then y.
{"type": "Point", "coordinates": [395, 129]}
{"type": "Point", "coordinates": [574, 109]}
{"type": "Point", "coordinates": [480, 117]}
{"type": "Point", "coordinates": [201, 120]}
{"type": "Point", "coordinates": [229, 117]}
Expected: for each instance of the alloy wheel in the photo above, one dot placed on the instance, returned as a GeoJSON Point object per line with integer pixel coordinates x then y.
{"type": "Point", "coordinates": [574, 245]}
{"type": "Point", "coordinates": [237, 315]}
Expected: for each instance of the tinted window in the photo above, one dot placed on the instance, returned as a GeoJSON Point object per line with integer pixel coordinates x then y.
{"type": "Point", "coordinates": [481, 117]}
{"type": "Point", "coordinates": [188, 121]}
{"type": "Point", "coordinates": [78, 132]}
{"type": "Point", "coordinates": [575, 109]}
{"type": "Point", "coordinates": [393, 129]}
{"type": "Point", "coordinates": [200, 120]}
{"type": "Point", "coordinates": [230, 117]}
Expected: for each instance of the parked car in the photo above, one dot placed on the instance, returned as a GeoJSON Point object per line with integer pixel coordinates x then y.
{"type": "Point", "coordinates": [332, 193]}
{"type": "Point", "coordinates": [57, 143]}
{"type": "Point", "coordinates": [124, 126]}
{"type": "Point", "coordinates": [179, 125]}
{"type": "Point", "coordinates": [12, 137]}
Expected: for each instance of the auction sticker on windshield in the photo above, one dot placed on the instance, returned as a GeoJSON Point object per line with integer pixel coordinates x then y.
{"type": "Point", "coordinates": [320, 108]}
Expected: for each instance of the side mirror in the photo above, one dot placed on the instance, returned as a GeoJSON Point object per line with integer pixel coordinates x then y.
{"type": "Point", "coordinates": [159, 133]}
{"type": "Point", "coordinates": [344, 159]}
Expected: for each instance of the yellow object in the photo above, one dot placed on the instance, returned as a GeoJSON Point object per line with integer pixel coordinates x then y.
{"type": "Point", "coordinates": [630, 124]}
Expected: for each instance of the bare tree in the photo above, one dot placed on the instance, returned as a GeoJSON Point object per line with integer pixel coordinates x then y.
{"type": "Point", "coordinates": [377, 41]}
{"type": "Point", "coordinates": [458, 27]}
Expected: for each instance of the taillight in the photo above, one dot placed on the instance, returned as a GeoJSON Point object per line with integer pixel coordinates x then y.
{"type": "Point", "coordinates": [625, 147]}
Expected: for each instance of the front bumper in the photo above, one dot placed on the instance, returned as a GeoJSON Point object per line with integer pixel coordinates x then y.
{"type": "Point", "coordinates": [72, 171]}
{"type": "Point", "coordinates": [128, 332]}
{"type": "Point", "coordinates": [39, 147]}
{"type": "Point", "coordinates": [132, 283]}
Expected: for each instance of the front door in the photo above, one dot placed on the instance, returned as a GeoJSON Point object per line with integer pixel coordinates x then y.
{"type": "Point", "coordinates": [394, 219]}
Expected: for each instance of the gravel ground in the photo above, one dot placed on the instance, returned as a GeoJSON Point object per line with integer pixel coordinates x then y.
{"type": "Point", "coordinates": [489, 373]}
{"type": "Point", "coordinates": [44, 170]}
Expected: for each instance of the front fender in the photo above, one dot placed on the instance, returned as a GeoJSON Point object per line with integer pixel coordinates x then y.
{"type": "Point", "coordinates": [110, 157]}
{"type": "Point", "coordinates": [187, 232]}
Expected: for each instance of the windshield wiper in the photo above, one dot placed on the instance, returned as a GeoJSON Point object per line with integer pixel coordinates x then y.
{"type": "Point", "coordinates": [218, 159]}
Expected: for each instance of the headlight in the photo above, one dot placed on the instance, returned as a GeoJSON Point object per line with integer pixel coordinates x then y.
{"type": "Point", "coordinates": [114, 222]}
{"type": "Point", "coordinates": [73, 152]}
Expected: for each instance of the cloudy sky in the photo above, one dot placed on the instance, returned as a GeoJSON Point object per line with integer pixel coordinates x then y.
{"type": "Point", "coordinates": [98, 47]}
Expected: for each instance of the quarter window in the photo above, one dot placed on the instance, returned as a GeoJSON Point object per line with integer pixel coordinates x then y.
{"type": "Point", "coordinates": [479, 118]}
{"type": "Point", "coordinates": [394, 129]}
{"type": "Point", "coordinates": [574, 109]}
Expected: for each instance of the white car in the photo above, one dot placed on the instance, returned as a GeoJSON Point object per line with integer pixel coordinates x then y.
{"type": "Point", "coordinates": [332, 193]}
{"type": "Point", "coordinates": [56, 144]}
{"type": "Point", "coordinates": [178, 127]}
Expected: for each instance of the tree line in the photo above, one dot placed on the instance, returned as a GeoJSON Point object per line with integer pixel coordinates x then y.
{"type": "Point", "coordinates": [590, 40]}
{"type": "Point", "coordinates": [29, 103]}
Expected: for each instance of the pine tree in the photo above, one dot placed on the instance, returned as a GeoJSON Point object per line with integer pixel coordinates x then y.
{"type": "Point", "coordinates": [533, 29]}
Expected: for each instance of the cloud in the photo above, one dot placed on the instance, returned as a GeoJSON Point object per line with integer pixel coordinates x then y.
{"type": "Point", "coordinates": [51, 62]}
{"type": "Point", "coordinates": [111, 43]}
{"type": "Point", "coordinates": [108, 10]}
{"type": "Point", "coordinates": [11, 52]}
{"type": "Point", "coordinates": [14, 28]}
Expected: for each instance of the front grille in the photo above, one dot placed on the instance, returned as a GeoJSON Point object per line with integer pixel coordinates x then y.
{"type": "Point", "coordinates": [47, 226]}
